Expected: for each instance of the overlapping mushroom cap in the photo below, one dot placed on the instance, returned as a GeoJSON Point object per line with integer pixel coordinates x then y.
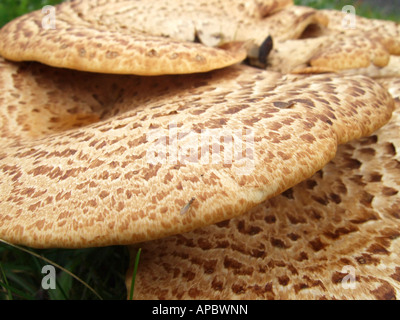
{"type": "Point", "coordinates": [97, 47]}
{"type": "Point", "coordinates": [335, 235]}
{"type": "Point", "coordinates": [385, 32]}
{"type": "Point", "coordinates": [211, 22]}
{"type": "Point", "coordinates": [346, 43]}
{"type": "Point", "coordinates": [152, 37]}
{"type": "Point", "coordinates": [163, 155]}
{"type": "Point", "coordinates": [157, 37]}
{"type": "Point", "coordinates": [90, 159]}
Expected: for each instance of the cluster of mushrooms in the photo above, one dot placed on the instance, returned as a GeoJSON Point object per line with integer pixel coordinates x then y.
{"type": "Point", "coordinates": [102, 126]}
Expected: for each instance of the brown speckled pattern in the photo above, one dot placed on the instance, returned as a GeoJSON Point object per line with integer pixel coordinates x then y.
{"type": "Point", "coordinates": [84, 179]}
{"type": "Point", "coordinates": [301, 244]}
{"type": "Point", "coordinates": [152, 37]}
{"type": "Point", "coordinates": [334, 48]}
{"type": "Point", "coordinates": [97, 47]}
{"type": "Point", "coordinates": [386, 32]}
{"type": "Point", "coordinates": [212, 21]}
{"type": "Point", "coordinates": [268, 7]}
{"type": "Point", "coordinates": [390, 71]}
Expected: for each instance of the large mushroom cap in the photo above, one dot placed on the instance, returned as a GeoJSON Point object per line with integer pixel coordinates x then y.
{"type": "Point", "coordinates": [96, 46]}
{"type": "Point", "coordinates": [333, 236]}
{"type": "Point", "coordinates": [139, 158]}
{"type": "Point", "coordinates": [152, 37]}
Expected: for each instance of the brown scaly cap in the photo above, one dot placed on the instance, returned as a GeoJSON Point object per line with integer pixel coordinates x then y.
{"type": "Point", "coordinates": [152, 37]}
{"type": "Point", "coordinates": [389, 71]}
{"type": "Point", "coordinates": [327, 54]}
{"type": "Point", "coordinates": [393, 86]}
{"type": "Point", "coordinates": [268, 7]}
{"type": "Point", "coordinates": [340, 225]}
{"type": "Point", "coordinates": [386, 32]}
{"type": "Point", "coordinates": [97, 47]}
{"type": "Point", "coordinates": [96, 160]}
{"type": "Point", "coordinates": [366, 48]}
{"type": "Point", "coordinates": [210, 22]}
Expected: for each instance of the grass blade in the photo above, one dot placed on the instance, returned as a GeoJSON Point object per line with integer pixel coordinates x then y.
{"type": "Point", "coordinates": [134, 273]}
{"type": "Point", "coordinates": [6, 283]}
{"type": "Point", "coordinates": [15, 292]}
{"type": "Point", "coordinates": [54, 264]}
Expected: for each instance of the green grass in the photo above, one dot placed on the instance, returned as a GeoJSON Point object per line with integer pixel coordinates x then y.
{"type": "Point", "coordinates": [362, 8]}
{"type": "Point", "coordinates": [135, 269]}
{"type": "Point", "coordinates": [10, 9]}
{"type": "Point", "coordinates": [101, 268]}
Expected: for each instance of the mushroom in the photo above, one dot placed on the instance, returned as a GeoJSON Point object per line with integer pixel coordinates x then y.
{"type": "Point", "coordinates": [335, 235]}
{"type": "Point", "coordinates": [333, 48]}
{"type": "Point", "coordinates": [117, 170]}
{"type": "Point", "coordinates": [327, 54]}
{"type": "Point", "coordinates": [97, 47]}
{"type": "Point", "coordinates": [152, 37]}
{"type": "Point", "coordinates": [389, 71]}
{"type": "Point", "coordinates": [211, 23]}
{"type": "Point", "coordinates": [386, 32]}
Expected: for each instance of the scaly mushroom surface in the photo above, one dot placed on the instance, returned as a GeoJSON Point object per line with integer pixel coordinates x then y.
{"type": "Point", "coordinates": [95, 160]}
{"type": "Point", "coordinates": [152, 37]}
{"type": "Point", "coordinates": [335, 235]}
{"type": "Point", "coordinates": [365, 47]}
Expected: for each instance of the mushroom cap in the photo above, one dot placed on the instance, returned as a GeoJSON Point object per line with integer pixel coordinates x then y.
{"type": "Point", "coordinates": [392, 70]}
{"type": "Point", "coordinates": [210, 22]}
{"type": "Point", "coordinates": [339, 227]}
{"type": "Point", "coordinates": [95, 46]}
{"type": "Point", "coordinates": [268, 7]}
{"type": "Point", "coordinates": [94, 160]}
{"type": "Point", "coordinates": [152, 37]}
{"type": "Point", "coordinates": [392, 84]}
{"type": "Point", "coordinates": [386, 32]}
{"type": "Point", "coordinates": [333, 48]}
